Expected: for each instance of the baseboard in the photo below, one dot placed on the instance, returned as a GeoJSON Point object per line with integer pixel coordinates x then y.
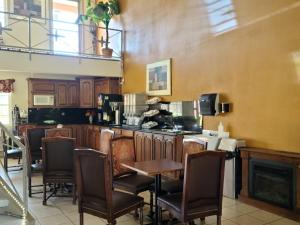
{"type": "Point", "coordinates": [291, 214]}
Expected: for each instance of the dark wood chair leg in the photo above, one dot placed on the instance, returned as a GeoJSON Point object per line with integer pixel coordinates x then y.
{"type": "Point", "coordinates": [141, 215]}
{"type": "Point", "coordinates": [44, 195]}
{"type": "Point", "coordinates": [19, 160]}
{"type": "Point", "coordinates": [112, 222]}
{"type": "Point", "coordinates": [136, 213]}
{"type": "Point", "coordinates": [74, 194]}
{"type": "Point", "coordinates": [81, 218]}
{"type": "Point", "coordinates": [202, 220]}
{"type": "Point", "coordinates": [192, 223]}
{"type": "Point", "coordinates": [29, 187]}
{"type": "Point", "coordinates": [151, 203]}
{"type": "Point", "coordinates": [218, 220]}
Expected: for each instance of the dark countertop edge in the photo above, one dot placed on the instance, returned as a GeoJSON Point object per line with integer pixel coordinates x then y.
{"type": "Point", "coordinates": [133, 128]}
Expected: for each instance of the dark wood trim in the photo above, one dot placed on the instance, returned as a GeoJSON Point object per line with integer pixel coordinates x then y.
{"type": "Point", "coordinates": [272, 152]}
{"type": "Point", "coordinates": [294, 215]}
{"type": "Point", "coordinates": [290, 158]}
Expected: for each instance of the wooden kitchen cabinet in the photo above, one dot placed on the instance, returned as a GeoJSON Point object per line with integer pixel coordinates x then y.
{"type": "Point", "coordinates": [61, 94]}
{"type": "Point", "coordinates": [67, 94]}
{"type": "Point", "coordinates": [86, 92]}
{"type": "Point", "coordinates": [158, 146]}
{"type": "Point", "coordinates": [41, 86]}
{"type": "Point", "coordinates": [150, 146]}
{"type": "Point", "coordinates": [117, 131]}
{"type": "Point", "coordinates": [73, 93]}
{"type": "Point", "coordinates": [90, 137]}
{"type": "Point", "coordinates": [80, 93]}
{"type": "Point", "coordinates": [76, 133]}
{"type": "Point", "coordinates": [106, 85]}
{"type": "Point", "coordinates": [143, 146]}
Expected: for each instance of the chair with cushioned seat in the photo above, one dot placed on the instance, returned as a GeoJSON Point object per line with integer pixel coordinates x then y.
{"type": "Point", "coordinates": [202, 191]}
{"type": "Point", "coordinates": [95, 194]}
{"type": "Point", "coordinates": [105, 136]}
{"type": "Point", "coordinates": [10, 153]}
{"type": "Point", "coordinates": [190, 146]}
{"type": "Point", "coordinates": [33, 144]}
{"type": "Point", "coordinates": [122, 150]}
{"type": "Point", "coordinates": [58, 132]}
{"type": "Point", "coordinates": [58, 166]}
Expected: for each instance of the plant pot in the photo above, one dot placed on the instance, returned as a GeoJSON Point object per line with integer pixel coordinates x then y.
{"type": "Point", "coordinates": [107, 52]}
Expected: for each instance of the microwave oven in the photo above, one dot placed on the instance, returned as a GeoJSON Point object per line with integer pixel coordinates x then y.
{"type": "Point", "coordinates": [44, 100]}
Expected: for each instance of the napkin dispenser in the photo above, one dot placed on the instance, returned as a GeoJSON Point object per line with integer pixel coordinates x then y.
{"type": "Point", "coordinates": [209, 104]}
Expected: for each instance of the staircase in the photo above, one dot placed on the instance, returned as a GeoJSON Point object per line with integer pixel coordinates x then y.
{"type": "Point", "coordinates": [13, 205]}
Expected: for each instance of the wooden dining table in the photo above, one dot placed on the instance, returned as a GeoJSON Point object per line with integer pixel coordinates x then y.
{"type": "Point", "coordinates": [154, 168]}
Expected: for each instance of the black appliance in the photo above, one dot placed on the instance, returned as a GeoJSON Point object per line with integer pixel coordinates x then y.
{"type": "Point", "coordinates": [209, 104]}
{"type": "Point", "coordinates": [186, 116]}
{"type": "Point", "coordinates": [110, 109]}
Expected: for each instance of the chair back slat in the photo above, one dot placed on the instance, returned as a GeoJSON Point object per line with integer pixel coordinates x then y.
{"type": "Point", "coordinates": [203, 179]}
{"type": "Point", "coordinates": [105, 137]}
{"type": "Point", "coordinates": [192, 145]}
{"type": "Point", "coordinates": [93, 176]}
{"type": "Point", "coordinates": [58, 132]}
{"type": "Point", "coordinates": [122, 150]}
{"type": "Point", "coordinates": [34, 139]}
{"type": "Point", "coordinates": [58, 155]}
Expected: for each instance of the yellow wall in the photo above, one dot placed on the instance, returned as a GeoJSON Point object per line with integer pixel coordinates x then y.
{"type": "Point", "coordinates": [253, 66]}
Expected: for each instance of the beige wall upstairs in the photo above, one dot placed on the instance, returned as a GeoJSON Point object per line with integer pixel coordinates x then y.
{"type": "Point", "coordinates": [255, 66]}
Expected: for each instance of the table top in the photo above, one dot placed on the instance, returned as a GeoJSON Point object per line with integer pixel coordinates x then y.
{"type": "Point", "coordinates": [153, 167]}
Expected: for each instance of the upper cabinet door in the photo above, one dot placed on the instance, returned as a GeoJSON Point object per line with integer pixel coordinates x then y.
{"type": "Point", "coordinates": [87, 93]}
{"type": "Point", "coordinates": [67, 94]}
{"type": "Point", "coordinates": [62, 94]}
{"type": "Point", "coordinates": [41, 86]}
{"type": "Point", "coordinates": [73, 94]}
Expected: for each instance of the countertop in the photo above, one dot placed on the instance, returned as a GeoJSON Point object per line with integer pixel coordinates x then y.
{"type": "Point", "coordinates": [171, 132]}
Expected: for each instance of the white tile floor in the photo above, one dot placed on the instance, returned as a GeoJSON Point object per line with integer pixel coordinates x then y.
{"type": "Point", "coordinates": [60, 211]}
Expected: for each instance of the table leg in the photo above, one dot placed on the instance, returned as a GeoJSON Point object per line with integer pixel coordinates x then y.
{"type": "Point", "coordinates": [157, 192]}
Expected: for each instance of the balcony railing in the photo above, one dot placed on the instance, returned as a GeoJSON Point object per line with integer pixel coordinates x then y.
{"type": "Point", "coordinates": [52, 37]}
{"type": "Point", "coordinates": [13, 201]}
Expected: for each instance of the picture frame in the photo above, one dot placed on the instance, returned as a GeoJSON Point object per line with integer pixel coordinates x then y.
{"type": "Point", "coordinates": [25, 8]}
{"type": "Point", "coordinates": [158, 78]}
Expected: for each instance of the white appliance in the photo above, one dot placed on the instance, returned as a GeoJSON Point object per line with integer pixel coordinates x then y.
{"type": "Point", "coordinates": [230, 145]}
{"type": "Point", "coordinates": [227, 144]}
{"type": "Point", "coordinates": [44, 100]}
{"type": "Point", "coordinates": [211, 138]}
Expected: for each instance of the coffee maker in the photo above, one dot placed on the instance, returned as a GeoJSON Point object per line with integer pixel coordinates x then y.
{"type": "Point", "coordinates": [109, 110]}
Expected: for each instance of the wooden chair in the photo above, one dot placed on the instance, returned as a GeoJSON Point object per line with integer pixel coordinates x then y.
{"type": "Point", "coordinates": [58, 132]}
{"type": "Point", "coordinates": [190, 146]}
{"type": "Point", "coordinates": [122, 150]}
{"type": "Point", "coordinates": [95, 194]}
{"type": "Point", "coordinates": [58, 168]}
{"type": "Point", "coordinates": [202, 191]}
{"type": "Point", "coordinates": [105, 136]}
{"type": "Point", "coordinates": [10, 153]}
{"type": "Point", "coordinates": [33, 143]}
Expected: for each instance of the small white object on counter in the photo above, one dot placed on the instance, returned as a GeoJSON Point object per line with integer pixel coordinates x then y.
{"type": "Point", "coordinates": [221, 132]}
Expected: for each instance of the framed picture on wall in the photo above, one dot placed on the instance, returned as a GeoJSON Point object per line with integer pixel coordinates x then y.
{"type": "Point", "coordinates": [25, 8]}
{"type": "Point", "coordinates": [158, 78]}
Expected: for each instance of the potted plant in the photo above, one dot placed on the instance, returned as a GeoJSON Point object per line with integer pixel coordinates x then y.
{"type": "Point", "coordinates": [103, 12]}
